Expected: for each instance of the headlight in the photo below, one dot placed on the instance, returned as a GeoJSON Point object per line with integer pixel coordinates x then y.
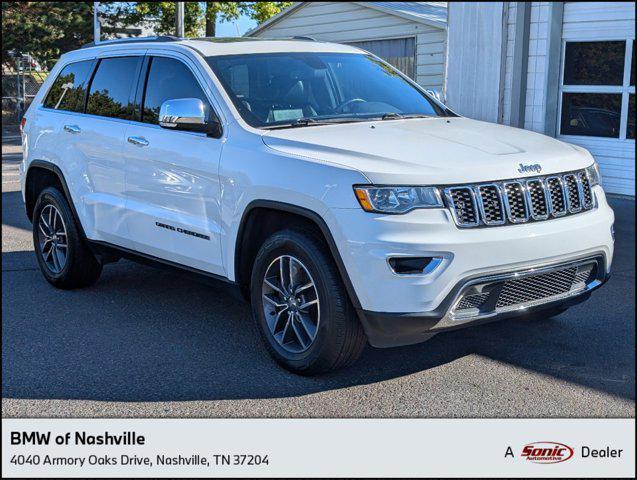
{"type": "Point", "coordinates": [594, 175]}
{"type": "Point", "coordinates": [397, 199]}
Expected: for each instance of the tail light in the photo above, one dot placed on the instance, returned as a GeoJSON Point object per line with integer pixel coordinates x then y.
{"type": "Point", "coordinates": [22, 124]}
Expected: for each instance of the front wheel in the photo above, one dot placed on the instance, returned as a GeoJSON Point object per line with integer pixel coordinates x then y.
{"type": "Point", "coordinates": [299, 302]}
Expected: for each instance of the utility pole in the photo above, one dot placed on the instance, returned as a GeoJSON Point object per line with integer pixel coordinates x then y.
{"type": "Point", "coordinates": [96, 22]}
{"type": "Point", "coordinates": [180, 19]}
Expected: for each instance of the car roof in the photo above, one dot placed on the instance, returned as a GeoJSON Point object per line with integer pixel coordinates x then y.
{"type": "Point", "coordinates": [230, 46]}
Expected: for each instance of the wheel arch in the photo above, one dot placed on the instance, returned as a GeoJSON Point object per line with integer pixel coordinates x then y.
{"type": "Point", "coordinates": [41, 174]}
{"type": "Point", "coordinates": [245, 250]}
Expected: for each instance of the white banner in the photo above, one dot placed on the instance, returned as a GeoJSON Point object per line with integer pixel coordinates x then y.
{"type": "Point", "coordinates": [318, 447]}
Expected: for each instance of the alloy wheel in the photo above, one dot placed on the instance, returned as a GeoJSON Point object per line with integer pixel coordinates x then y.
{"type": "Point", "coordinates": [291, 304]}
{"type": "Point", "coordinates": [53, 239]}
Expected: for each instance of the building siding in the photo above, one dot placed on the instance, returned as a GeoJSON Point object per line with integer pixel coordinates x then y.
{"type": "Point", "coordinates": [536, 73]}
{"type": "Point", "coordinates": [536, 82]}
{"type": "Point", "coordinates": [604, 21]}
{"type": "Point", "coordinates": [344, 22]}
{"type": "Point", "coordinates": [474, 72]}
{"type": "Point", "coordinates": [511, 16]}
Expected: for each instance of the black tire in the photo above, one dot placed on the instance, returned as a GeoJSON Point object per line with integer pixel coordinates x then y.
{"type": "Point", "coordinates": [80, 267]}
{"type": "Point", "coordinates": [339, 338]}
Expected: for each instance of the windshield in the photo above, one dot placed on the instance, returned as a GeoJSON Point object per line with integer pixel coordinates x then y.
{"type": "Point", "coordinates": [298, 89]}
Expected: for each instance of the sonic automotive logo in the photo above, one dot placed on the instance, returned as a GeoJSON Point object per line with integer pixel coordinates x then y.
{"type": "Point", "coordinates": [547, 452]}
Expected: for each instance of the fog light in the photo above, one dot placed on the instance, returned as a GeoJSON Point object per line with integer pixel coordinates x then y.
{"type": "Point", "coordinates": [413, 265]}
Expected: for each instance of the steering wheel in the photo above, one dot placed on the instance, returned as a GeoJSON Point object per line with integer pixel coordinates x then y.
{"type": "Point", "coordinates": [347, 103]}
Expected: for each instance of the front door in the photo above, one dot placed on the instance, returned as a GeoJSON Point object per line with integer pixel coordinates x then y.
{"type": "Point", "coordinates": [172, 185]}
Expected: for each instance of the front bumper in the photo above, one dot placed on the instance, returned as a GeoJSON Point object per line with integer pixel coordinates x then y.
{"type": "Point", "coordinates": [367, 241]}
{"type": "Point", "coordinates": [396, 329]}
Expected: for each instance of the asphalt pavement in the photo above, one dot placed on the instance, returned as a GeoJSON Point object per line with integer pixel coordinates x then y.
{"type": "Point", "coordinates": [144, 342]}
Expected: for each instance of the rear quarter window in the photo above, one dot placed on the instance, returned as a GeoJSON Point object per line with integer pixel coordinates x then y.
{"type": "Point", "coordinates": [69, 88]}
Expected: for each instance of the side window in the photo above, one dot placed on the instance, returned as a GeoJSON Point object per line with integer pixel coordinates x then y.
{"type": "Point", "coordinates": [168, 79]}
{"type": "Point", "coordinates": [69, 89]}
{"type": "Point", "coordinates": [110, 93]}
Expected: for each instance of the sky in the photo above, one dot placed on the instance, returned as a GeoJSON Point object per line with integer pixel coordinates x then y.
{"type": "Point", "coordinates": [229, 29]}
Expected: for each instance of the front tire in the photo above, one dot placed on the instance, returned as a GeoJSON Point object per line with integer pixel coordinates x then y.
{"type": "Point", "coordinates": [65, 260]}
{"type": "Point", "coordinates": [304, 315]}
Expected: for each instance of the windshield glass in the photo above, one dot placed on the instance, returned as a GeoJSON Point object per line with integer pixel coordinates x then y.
{"type": "Point", "coordinates": [310, 88]}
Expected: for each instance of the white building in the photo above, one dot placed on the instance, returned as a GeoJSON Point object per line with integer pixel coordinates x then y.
{"type": "Point", "coordinates": [409, 35]}
{"type": "Point", "coordinates": [565, 69]}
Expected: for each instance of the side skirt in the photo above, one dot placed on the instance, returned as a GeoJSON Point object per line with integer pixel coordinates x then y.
{"type": "Point", "coordinates": [109, 253]}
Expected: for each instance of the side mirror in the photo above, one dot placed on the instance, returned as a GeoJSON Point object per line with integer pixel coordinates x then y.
{"type": "Point", "coordinates": [190, 114]}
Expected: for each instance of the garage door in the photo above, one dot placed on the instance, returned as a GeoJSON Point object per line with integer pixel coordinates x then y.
{"type": "Point", "coordinates": [399, 52]}
{"type": "Point", "coordinates": [597, 93]}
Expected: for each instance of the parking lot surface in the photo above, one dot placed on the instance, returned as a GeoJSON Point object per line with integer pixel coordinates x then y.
{"type": "Point", "coordinates": [144, 342]}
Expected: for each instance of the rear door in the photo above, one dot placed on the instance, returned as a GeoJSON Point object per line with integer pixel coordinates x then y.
{"type": "Point", "coordinates": [98, 141]}
{"type": "Point", "coordinates": [172, 184]}
{"type": "Point", "coordinates": [55, 128]}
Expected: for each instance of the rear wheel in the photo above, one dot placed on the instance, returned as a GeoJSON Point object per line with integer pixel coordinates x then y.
{"type": "Point", "coordinates": [65, 260]}
{"type": "Point", "coordinates": [299, 302]}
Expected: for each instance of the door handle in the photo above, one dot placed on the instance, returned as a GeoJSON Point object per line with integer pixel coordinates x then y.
{"type": "Point", "coordinates": [72, 128]}
{"type": "Point", "coordinates": [140, 141]}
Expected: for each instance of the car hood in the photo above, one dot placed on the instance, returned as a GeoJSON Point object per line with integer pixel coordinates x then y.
{"type": "Point", "coordinates": [436, 151]}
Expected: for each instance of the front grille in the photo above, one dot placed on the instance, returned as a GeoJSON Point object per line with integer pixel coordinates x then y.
{"type": "Point", "coordinates": [516, 201]}
{"type": "Point", "coordinates": [526, 289]}
{"type": "Point", "coordinates": [472, 301]}
{"type": "Point", "coordinates": [516, 292]}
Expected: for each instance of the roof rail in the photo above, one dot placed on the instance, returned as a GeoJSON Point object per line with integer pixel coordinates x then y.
{"type": "Point", "coordinates": [162, 38]}
{"type": "Point", "coordinates": [303, 37]}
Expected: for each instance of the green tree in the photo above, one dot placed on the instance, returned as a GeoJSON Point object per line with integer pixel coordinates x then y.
{"type": "Point", "coordinates": [160, 16]}
{"type": "Point", "coordinates": [198, 16]}
{"type": "Point", "coordinates": [48, 29]}
{"type": "Point", "coordinates": [44, 29]}
{"type": "Point", "coordinates": [262, 11]}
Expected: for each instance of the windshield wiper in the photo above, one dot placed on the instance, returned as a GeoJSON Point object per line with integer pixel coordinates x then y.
{"type": "Point", "coordinates": [391, 116]}
{"type": "Point", "coordinates": [400, 116]}
{"type": "Point", "coordinates": [310, 122]}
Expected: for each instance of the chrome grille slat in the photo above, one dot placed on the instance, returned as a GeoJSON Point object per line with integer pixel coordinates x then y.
{"type": "Point", "coordinates": [556, 195]}
{"type": "Point", "coordinates": [489, 199]}
{"type": "Point", "coordinates": [573, 193]}
{"type": "Point", "coordinates": [536, 197]}
{"type": "Point", "coordinates": [464, 208]}
{"type": "Point", "coordinates": [587, 195]}
{"type": "Point", "coordinates": [520, 201]}
{"type": "Point", "coordinates": [515, 202]}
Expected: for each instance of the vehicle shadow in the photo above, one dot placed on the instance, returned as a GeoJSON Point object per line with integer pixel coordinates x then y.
{"type": "Point", "coordinates": [144, 334]}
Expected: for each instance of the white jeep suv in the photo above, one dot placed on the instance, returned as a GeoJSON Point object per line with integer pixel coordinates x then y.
{"type": "Point", "coordinates": [345, 202]}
